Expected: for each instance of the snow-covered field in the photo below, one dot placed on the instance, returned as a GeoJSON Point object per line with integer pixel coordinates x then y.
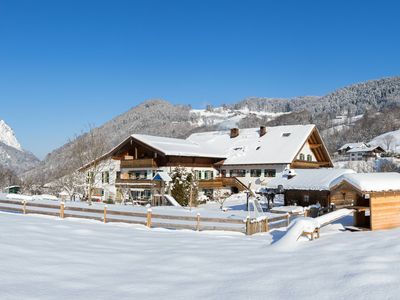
{"type": "Point", "coordinates": [50, 258]}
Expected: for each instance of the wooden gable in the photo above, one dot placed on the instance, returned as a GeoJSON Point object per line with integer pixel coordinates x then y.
{"type": "Point", "coordinates": [319, 150]}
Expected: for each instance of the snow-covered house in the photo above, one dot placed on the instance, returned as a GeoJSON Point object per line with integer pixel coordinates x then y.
{"type": "Point", "coordinates": [232, 159]}
{"type": "Point", "coordinates": [375, 197]}
{"type": "Point", "coordinates": [360, 151]}
{"type": "Point", "coordinates": [134, 163]}
{"type": "Point", "coordinates": [306, 187]}
{"type": "Point", "coordinates": [346, 147]}
{"type": "Point", "coordinates": [256, 155]}
{"type": "Point", "coordinates": [365, 153]}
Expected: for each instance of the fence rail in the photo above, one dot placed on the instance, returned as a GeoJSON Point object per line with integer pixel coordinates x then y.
{"type": "Point", "coordinates": [248, 226]}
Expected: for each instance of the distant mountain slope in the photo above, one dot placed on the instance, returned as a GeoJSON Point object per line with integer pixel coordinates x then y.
{"type": "Point", "coordinates": [390, 141]}
{"type": "Point", "coordinates": [7, 136]}
{"type": "Point", "coordinates": [357, 98]}
{"type": "Point", "coordinates": [12, 156]}
{"type": "Point", "coordinates": [359, 102]}
{"type": "Point", "coordinates": [354, 99]}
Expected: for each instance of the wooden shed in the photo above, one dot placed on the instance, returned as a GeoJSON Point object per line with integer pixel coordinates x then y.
{"type": "Point", "coordinates": [306, 187]}
{"type": "Point", "coordinates": [375, 198]}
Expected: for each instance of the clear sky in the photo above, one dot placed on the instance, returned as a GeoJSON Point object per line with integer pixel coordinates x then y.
{"type": "Point", "coordinates": [65, 64]}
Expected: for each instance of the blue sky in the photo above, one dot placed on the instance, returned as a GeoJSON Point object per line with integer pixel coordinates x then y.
{"type": "Point", "coordinates": [65, 64]}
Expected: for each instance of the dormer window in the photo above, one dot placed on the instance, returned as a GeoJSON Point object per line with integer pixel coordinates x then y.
{"type": "Point", "coordinates": [285, 134]}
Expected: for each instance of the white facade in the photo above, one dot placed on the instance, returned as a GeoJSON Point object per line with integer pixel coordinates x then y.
{"type": "Point", "coordinates": [306, 153]}
{"type": "Point", "coordinates": [103, 179]}
{"type": "Point", "coordinates": [256, 175]}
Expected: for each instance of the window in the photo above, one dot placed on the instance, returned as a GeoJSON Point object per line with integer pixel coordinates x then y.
{"type": "Point", "coordinates": [223, 173]}
{"type": "Point", "coordinates": [285, 134]}
{"type": "Point", "coordinates": [90, 178]}
{"type": "Point", "coordinates": [208, 175]}
{"type": "Point", "coordinates": [302, 157]}
{"type": "Point", "coordinates": [306, 198]}
{"type": "Point", "coordinates": [140, 174]}
{"type": "Point", "coordinates": [105, 177]}
{"type": "Point", "coordinates": [197, 175]}
{"type": "Point", "coordinates": [309, 157]}
{"type": "Point", "coordinates": [269, 173]}
{"type": "Point", "coordinates": [255, 172]}
{"type": "Point", "coordinates": [238, 173]}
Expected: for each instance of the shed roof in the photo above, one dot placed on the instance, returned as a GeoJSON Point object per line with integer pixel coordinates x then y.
{"type": "Point", "coordinates": [371, 182]}
{"type": "Point", "coordinates": [309, 179]}
{"type": "Point", "coordinates": [162, 176]}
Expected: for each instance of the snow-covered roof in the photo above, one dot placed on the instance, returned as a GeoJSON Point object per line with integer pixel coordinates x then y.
{"type": "Point", "coordinates": [371, 182]}
{"type": "Point", "coordinates": [161, 175]}
{"type": "Point", "coordinates": [351, 146]}
{"type": "Point", "coordinates": [309, 179]}
{"type": "Point", "coordinates": [365, 148]}
{"type": "Point", "coordinates": [178, 147]}
{"type": "Point", "coordinates": [279, 145]}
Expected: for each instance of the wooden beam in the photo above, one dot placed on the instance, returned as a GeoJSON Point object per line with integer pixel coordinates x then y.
{"type": "Point", "coordinates": [315, 146]}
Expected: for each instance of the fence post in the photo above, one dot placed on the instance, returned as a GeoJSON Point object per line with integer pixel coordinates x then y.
{"type": "Point", "coordinates": [288, 219]}
{"type": "Point", "coordinates": [105, 214]}
{"type": "Point", "coordinates": [62, 210]}
{"type": "Point", "coordinates": [266, 225]}
{"type": "Point", "coordinates": [248, 226]}
{"type": "Point", "coordinates": [24, 207]}
{"type": "Point", "coordinates": [198, 222]}
{"type": "Point", "coordinates": [306, 213]}
{"type": "Point", "coordinates": [148, 221]}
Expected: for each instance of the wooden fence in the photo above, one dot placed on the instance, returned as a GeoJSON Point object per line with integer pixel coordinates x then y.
{"type": "Point", "coordinates": [248, 226]}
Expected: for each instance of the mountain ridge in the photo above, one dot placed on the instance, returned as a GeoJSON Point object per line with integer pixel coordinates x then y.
{"type": "Point", "coordinates": [160, 117]}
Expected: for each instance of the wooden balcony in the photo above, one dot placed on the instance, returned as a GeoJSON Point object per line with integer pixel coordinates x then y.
{"type": "Point", "coordinates": [138, 183]}
{"type": "Point", "coordinates": [138, 163]}
{"type": "Point", "coordinates": [304, 164]}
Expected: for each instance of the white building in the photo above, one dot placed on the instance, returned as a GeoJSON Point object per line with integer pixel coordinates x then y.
{"type": "Point", "coordinates": [233, 159]}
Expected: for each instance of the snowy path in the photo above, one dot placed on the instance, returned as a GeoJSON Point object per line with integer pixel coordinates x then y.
{"type": "Point", "coordinates": [48, 258]}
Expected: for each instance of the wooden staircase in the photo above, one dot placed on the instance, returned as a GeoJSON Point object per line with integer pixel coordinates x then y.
{"type": "Point", "coordinates": [221, 182]}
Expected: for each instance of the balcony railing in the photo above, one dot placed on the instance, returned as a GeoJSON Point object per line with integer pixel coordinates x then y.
{"type": "Point", "coordinates": [139, 183]}
{"type": "Point", "coordinates": [139, 163]}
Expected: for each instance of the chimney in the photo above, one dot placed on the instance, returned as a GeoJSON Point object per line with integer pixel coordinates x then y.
{"type": "Point", "coordinates": [263, 130]}
{"type": "Point", "coordinates": [234, 132]}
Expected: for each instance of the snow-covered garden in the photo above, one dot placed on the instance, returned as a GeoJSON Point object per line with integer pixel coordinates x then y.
{"type": "Point", "coordinates": [52, 258]}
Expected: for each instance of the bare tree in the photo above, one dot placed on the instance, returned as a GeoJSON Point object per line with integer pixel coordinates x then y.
{"type": "Point", "coordinates": [387, 165]}
{"type": "Point", "coordinates": [8, 178]}
{"type": "Point", "coordinates": [220, 197]}
{"type": "Point", "coordinates": [88, 150]}
{"type": "Point", "coordinates": [388, 140]}
{"type": "Point", "coordinates": [72, 183]}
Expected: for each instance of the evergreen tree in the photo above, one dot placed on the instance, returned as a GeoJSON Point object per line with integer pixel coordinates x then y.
{"type": "Point", "coordinates": [184, 186]}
